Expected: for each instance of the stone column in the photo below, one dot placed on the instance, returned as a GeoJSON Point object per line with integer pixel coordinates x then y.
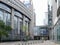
{"type": "Point", "coordinates": [12, 18]}
{"type": "Point", "coordinates": [12, 22]}
{"type": "Point", "coordinates": [23, 22]}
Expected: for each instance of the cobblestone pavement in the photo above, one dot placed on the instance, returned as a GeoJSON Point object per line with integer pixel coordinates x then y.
{"type": "Point", "coordinates": [30, 43]}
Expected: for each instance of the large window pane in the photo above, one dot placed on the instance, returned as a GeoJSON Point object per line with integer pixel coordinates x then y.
{"type": "Point", "coordinates": [20, 26]}
{"type": "Point", "coordinates": [1, 15]}
{"type": "Point", "coordinates": [2, 6]}
{"type": "Point", "coordinates": [15, 24]}
{"type": "Point", "coordinates": [7, 18]}
{"type": "Point", "coordinates": [17, 14]}
{"type": "Point", "coordinates": [26, 25]}
{"type": "Point", "coordinates": [58, 34]}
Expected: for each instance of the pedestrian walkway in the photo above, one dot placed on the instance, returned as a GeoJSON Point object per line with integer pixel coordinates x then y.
{"type": "Point", "coordinates": [30, 43]}
{"type": "Point", "coordinates": [48, 43]}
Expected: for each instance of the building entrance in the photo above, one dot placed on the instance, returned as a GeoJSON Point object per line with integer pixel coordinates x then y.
{"type": "Point", "coordinates": [36, 37]}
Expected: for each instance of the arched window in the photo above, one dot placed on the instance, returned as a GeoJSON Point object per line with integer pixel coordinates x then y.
{"type": "Point", "coordinates": [17, 14]}
{"type": "Point", "coordinates": [5, 14]}
{"type": "Point", "coordinates": [5, 7]}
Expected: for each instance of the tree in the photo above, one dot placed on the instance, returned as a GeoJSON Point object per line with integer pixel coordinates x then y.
{"type": "Point", "coordinates": [4, 29]}
{"type": "Point", "coordinates": [25, 28]}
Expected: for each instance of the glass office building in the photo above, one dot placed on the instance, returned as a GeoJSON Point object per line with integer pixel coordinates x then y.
{"type": "Point", "coordinates": [15, 14]}
{"type": "Point", "coordinates": [55, 30]}
{"type": "Point", "coordinates": [41, 32]}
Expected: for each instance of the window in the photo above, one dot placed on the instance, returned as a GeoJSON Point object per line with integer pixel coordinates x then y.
{"type": "Point", "coordinates": [17, 14]}
{"type": "Point", "coordinates": [5, 15]}
{"type": "Point", "coordinates": [27, 25]}
{"type": "Point", "coordinates": [58, 34]}
{"type": "Point", "coordinates": [7, 18]}
{"type": "Point", "coordinates": [18, 27]}
{"type": "Point", "coordinates": [15, 25]}
{"type": "Point", "coordinates": [20, 23]}
{"type": "Point", "coordinates": [1, 15]}
{"type": "Point", "coordinates": [4, 7]}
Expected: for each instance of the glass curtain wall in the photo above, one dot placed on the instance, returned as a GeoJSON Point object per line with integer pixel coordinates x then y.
{"type": "Point", "coordinates": [1, 14]}
{"type": "Point", "coordinates": [27, 28]}
{"type": "Point", "coordinates": [18, 22]}
{"type": "Point", "coordinates": [20, 31]}
{"type": "Point", "coordinates": [56, 32]}
{"type": "Point", "coordinates": [15, 26]}
{"type": "Point", "coordinates": [5, 15]}
{"type": "Point", "coordinates": [7, 18]}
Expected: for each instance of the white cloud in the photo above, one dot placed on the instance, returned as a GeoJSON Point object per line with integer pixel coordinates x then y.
{"type": "Point", "coordinates": [40, 7]}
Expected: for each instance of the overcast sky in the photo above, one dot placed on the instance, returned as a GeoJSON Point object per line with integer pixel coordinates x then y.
{"type": "Point", "coordinates": [40, 7]}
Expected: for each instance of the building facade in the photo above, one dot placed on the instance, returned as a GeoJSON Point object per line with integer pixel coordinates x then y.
{"type": "Point", "coordinates": [41, 32]}
{"type": "Point", "coordinates": [29, 5]}
{"type": "Point", "coordinates": [55, 35]}
{"type": "Point", "coordinates": [50, 16]}
{"type": "Point", "coordinates": [16, 14]}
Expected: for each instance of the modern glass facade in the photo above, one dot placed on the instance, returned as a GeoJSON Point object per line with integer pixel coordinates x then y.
{"type": "Point", "coordinates": [56, 32]}
{"type": "Point", "coordinates": [18, 22]}
{"type": "Point", "coordinates": [41, 32]}
{"type": "Point", "coordinates": [49, 15]}
{"type": "Point", "coordinates": [5, 14]}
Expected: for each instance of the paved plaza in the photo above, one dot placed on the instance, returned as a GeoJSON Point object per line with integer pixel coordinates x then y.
{"type": "Point", "coordinates": [30, 43]}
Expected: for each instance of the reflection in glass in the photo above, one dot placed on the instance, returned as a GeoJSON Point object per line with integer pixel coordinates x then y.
{"type": "Point", "coordinates": [1, 15]}
{"type": "Point", "coordinates": [18, 14]}
{"type": "Point", "coordinates": [20, 26]}
{"type": "Point", "coordinates": [7, 18]}
{"type": "Point", "coordinates": [58, 34]}
{"type": "Point", "coordinates": [15, 24]}
{"type": "Point", "coordinates": [4, 7]}
{"type": "Point", "coordinates": [26, 27]}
